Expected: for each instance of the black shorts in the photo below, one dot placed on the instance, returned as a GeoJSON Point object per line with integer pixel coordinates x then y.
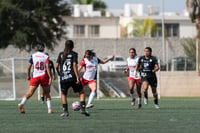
{"type": "Point", "coordinates": [66, 85]}
{"type": "Point", "coordinates": [152, 80]}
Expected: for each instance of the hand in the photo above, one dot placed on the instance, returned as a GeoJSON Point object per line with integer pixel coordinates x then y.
{"type": "Point", "coordinates": [28, 77]}
{"type": "Point", "coordinates": [112, 56]}
{"type": "Point", "coordinates": [54, 77]}
{"type": "Point", "coordinates": [49, 81]}
{"type": "Point", "coordinates": [125, 71]}
{"type": "Point", "coordinates": [77, 81]}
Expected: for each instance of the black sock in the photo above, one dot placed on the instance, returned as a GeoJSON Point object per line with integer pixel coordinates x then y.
{"type": "Point", "coordinates": [156, 101]}
{"type": "Point", "coordinates": [146, 94]}
{"type": "Point", "coordinates": [65, 107]}
{"type": "Point", "coordinates": [42, 98]}
{"type": "Point", "coordinates": [83, 105]}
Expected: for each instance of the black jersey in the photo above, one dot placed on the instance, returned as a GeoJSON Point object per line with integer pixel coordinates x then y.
{"type": "Point", "coordinates": [147, 66]}
{"type": "Point", "coordinates": [66, 68]}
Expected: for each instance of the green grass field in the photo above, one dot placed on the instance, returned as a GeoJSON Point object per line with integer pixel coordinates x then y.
{"type": "Point", "coordinates": [176, 115]}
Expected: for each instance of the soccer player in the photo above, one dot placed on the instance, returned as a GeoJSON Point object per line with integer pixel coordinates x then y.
{"type": "Point", "coordinates": [90, 62]}
{"type": "Point", "coordinates": [66, 66]}
{"type": "Point", "coordinates": [134, 76]}
{"type": "Point", "coordinates": [52, 72]}
{"type": "Point", "coordinates": [41, 76]}
{"type": "Point", "coordinates": [148, 65]}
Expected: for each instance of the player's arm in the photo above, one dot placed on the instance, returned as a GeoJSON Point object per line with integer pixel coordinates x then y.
{"type": "Point", "coordinates": [126, 70]}
{"type": "Point", "coordinates": [81, 66]}
{"type": "Point", "coordinates": [106, 60]}
{"type": "Point", "coordinates": [156, 68]}
{"type": "Point", "coordinates": [48, 70]}
{"type": "Point", "coordinates": [57, 68]}
{"type": "Point", "coordinates": [29, 71]}
{"type": "Point", "coordinates": [75, 67]}
{"type": "Point", "coordinates": [54, 73]}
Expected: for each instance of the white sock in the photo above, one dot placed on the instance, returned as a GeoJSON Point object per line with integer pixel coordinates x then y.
{"type": "Point", "coordinates": [139, 101]}
{"type": "Point", "coordinates": [132, 96]}
{"type": "Point", "coordinates": [49, 104]}
{"type": "Point", "coordinates": [91, 98]}
{"type": "Point", "coordinates": [24, 100]}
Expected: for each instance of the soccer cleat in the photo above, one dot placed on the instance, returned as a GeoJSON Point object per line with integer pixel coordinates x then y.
{"type": "Point", "coordinates": [89, 106]}
{"type": "Point", "coordinates": [65, 114]}
{"type": "Point", "coordinates": [85, 113]}
{"type": "Point", "coordinates": [145, 101]}
{"type": "Point", "coordinates": [50, 111]}
{"type": "Point", "coordinates": [156, 106]}
{"type": "Point", "coordinates": [139, 106]}
{"type": "Point", "coordinates": [21, 108]}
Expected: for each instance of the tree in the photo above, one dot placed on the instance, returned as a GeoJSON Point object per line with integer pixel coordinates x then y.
{"type": "Point", "coordinates": [189, 46]}
{"type": "Point", "coordinates": [25, 22]}
{"type": "Point", "coordinates": [97, 4]}
{"type": "Point", "coordinates": [143, 28]}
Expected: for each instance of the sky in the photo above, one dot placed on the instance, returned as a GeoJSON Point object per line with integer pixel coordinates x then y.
{"type": "Point", "coordinates": [169, 5]}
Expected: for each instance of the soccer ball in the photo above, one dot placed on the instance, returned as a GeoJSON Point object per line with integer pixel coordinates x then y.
{"type": "Point", "coordinates": [76, 106]}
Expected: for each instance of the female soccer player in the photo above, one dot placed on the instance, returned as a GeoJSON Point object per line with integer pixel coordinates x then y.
{"type": "Point", "coordinates": [90, 62]}
{"type": "Point", "coordinates": [66, 67]}
{"type": "Point", "coordinates": [148, 65]}
{"type": "Point", "coordinates": [41, 75]}
{"type": "Point", "coordinates": [134, 77]}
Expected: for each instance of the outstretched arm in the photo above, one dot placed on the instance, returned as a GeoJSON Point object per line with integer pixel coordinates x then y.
{"type": "Point", "coordinates": [29, 71]}
{"type": "Point", "coordinates": [57, 68]}
{"type": "Point", "coordinates": [106, 60]}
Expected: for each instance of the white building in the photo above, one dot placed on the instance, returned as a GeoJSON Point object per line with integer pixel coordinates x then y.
{"type": "Point", "coordinates": [85, 23]}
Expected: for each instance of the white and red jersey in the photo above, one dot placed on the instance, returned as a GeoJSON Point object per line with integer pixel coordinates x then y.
{"type": "Point", "coordinates": [131, 65]}
{"type": "Point", "coordinates": [90, 68]}
{"type": "Point", "coordinates": [39, 60]}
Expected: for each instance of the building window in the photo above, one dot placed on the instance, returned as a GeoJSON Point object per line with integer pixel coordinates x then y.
{"type": "Point", "coordinates": [79, 30]}
{"type": "Point", "coordinates": [93, 30]}
{"type": "Point", "coordinates": [171, 30]}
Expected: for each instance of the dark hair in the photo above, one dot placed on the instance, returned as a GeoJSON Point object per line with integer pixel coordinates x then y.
{"type": "Point", "coordinates": [40, 46]}
{"type": "Point", "coordinates": [69, 45]}
{"type": "Point", "coordinates": [132, 49]}
{"type": "Point", "coordinates": [149, 48]}
{"type": "Point", "coordinates": [89, 52]}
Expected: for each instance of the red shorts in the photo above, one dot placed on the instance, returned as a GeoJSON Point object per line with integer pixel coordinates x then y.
{"type": "Point", "coordinates": [43, 80]}
{"type": "Point", "coordinates": [84, 81]}
{"type": "Point", "coordinates": [136, 80]}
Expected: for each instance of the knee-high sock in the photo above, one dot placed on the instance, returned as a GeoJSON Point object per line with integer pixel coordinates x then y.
{"type": "Point", "coordinates": [91, 98]}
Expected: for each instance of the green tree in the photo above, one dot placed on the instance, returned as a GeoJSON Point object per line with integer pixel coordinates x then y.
{"type": "Point", "coordinates": [143, 28]}
{"type": "Point", "coordinates": [189, 46]}
{"type": "Point", "coordinates": [24, 22]}
{"type": "Point", "coordinates": [97, 4]}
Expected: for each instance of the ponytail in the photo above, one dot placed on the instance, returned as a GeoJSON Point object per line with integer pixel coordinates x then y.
{"type": "Point", "coordinates": [69, 45]}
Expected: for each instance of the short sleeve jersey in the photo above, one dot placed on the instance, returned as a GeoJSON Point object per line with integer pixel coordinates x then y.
{"type": "Point", "coordinates": [39, 61]}
{"type": "Point", "coordinates": [131, 65]}
{"type": "Point", "coordinates": [90, 68]}
{"type": "Point", "coordinates": [66, 68]}
{"type": "Point", "coordinates": [147, 66]}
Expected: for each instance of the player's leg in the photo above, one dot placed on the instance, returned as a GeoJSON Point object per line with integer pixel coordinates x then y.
{"type": "Point", "coordinates": [93, 87]}
{"type": "Point", "coordinates": [42, 95]}
{"type": "Point", "coordinates": [145, 86]}
{"type": "Point", "coordinates": [138, 85]}
{"type": "Point", "coordinates": [46, 90]}
{"type": "Point", "coordinates": [153, 84]}
{"type": "Point", "coordinates": [26, 97]}
{"type": "Point", "coordinates": [131, 84]}
{"type": "Point", "coordinates": [64, 88]}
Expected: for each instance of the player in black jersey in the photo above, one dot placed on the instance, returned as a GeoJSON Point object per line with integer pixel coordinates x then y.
{"type": "Point", "coordinates": [148, 65]}
{"type": "Point", "coordinates": [66, 67]}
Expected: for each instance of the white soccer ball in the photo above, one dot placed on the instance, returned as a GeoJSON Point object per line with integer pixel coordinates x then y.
{"type": "Point", "coordinates": [76, 106]}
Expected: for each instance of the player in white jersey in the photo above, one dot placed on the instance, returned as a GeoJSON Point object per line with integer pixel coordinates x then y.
{"type": "Point", "coordinates": [134, 76]}
{"type": "Point", "coordinates": [41, 76]}
{"type": "Point", "coordinates": [90, 62]}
